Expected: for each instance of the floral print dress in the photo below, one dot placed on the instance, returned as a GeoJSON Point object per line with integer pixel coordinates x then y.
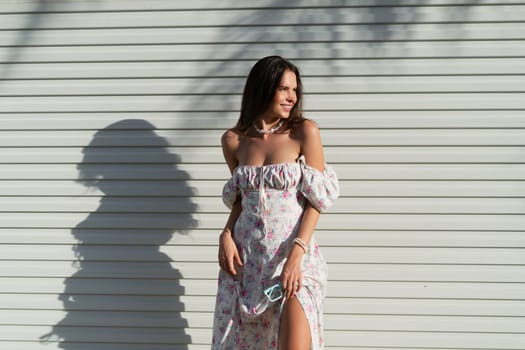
{"type": "Point", "coordinates": [273, 200]}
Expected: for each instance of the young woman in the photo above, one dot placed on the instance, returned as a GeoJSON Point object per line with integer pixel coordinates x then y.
{"type": "Point", "coordinates": [273, 276]}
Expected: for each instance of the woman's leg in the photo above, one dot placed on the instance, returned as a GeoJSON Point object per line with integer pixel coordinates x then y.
{"type": "Point", "coordinates": [294, 330]}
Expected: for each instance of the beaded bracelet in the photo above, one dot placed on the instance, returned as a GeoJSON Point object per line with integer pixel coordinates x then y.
{"type": "Point", "coordinates": [301, 244]}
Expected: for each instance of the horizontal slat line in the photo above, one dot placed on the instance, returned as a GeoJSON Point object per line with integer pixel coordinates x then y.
{"type": "Point", "coordinates": [318, 232]}
{"type": "Point", "coordinates": [179, 222]}
{"type": "Point", "coordinates": [184, 328]}
{"type": "Point", "coordinates": [334, 278]}
{"type": "Point", "coordinates": [295, 59]}
{"type": "Point", "coordinates": [327, 238]}
{"type": "Point", "coordinates": [314, 69]}
{"type": "Point", "coordinates": [284, 7]}
{"type": "Point", "coordinates": [131, 213]}
{"type": "Point", "coordinates": [334, 305]}
{"type": "Point", "coordinates": [87, 245]}
{"type": "Point", "coordinates": [128, 53]}
{"type": "Point", "coordinates": [131, 229]}
{"type": "Point", "coordinates": [84, 345]}
{"type": "Point", "coordinates": [257, 25]}
{"type": "Point", "coordinates": [169, 346]}
{"type": "Point", "coordinates": [215, 43]}
{"type": "Point", "coordinates": [335, 340]}
{"type": "Point", "coordinates": [314, 98]}
{"type": "Point", "coordinates": [152, 77]}
{"type": "Point", "coordinates": [221, 163]}
{"type": "Point", "coordinates": [234, 52]}
{"type": "Point", "coordinates": [138, 212]}
{"type": "Point", "coordinates": [326, 119]}
{"type": "Point", "coordinates": [342, 196]}
{"type": "Point", "coordinates": [178, 77]}
{"type": "Point", "coordinates": [130, 338]}
{"type": "Point", "coordinates": [324, 313]}
{"type": "Point", "coordinates": [212, 265]}
{"type": "Point", "coordinates": [233, 86]}
{"type": "Point", "coordinates": [323, 130]}
{"type": "Point", "coordinates": [271, 6]}
{"type": "Point", "coordinates": [303, 76]}
{"type": "Point", "coordinates": [342, 298]}
{"type": "Point", "coordinates": [422, 347]}
{"type": "Point", "coordinates": [205, 196]}
{"type": "Point", "coordinates": [419, 92]}
{"type": "Point", "coordinates": [328, 330]}
{"type": "Point", "coordinates": [159, 327]}
{"type": "Point", "coordinates": [148, 180]}
{"type": "Point", "coordinates": [319, 7]}
{"type": "Point", "coordinates": [213, 229]}
{"type": "Point", "coordinates": [214, 179]}
{"type": "Point", "coordinates": [197, 196]}
{"type": "Point", "coordinates": [136, 139]}
{"type": "Point", "coordinates": [271, 33]}
{"type": "Point", "coordinates": [317, 110]}
{"type": "Point", "coordinates": [311, 93]}
{"type": "Point", "coordinates": [405, 172]}
{"type": "Point", "coordinates": [72, 278]}
{"type": "Point", "coordinates": [216, 163]}
{"type": "Point", "coordinates": [82, 245]}
{"type": "Point", "coordinates": [249, 42]}
{"type": "Point", "coordinates": [274, 7]}
{"type": "Point", "coordinates": [314, 59]}
{"type": "Point", "coordinates": [156, 5]}
{"type": "Point", "coordinates": [447, 307]}
{"type": "Point", "coordinates": [209, 154]}
{"type": "Point", "coordinates": [192, 282]}
{"type": "Point", "coordinates": [202, 320]}
{"type": "Point", "coordinates": [497, 257]}
{"type": "Point", "coordinates": [322, 248]}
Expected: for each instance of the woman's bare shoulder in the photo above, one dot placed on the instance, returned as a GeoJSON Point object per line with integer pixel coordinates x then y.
{"type": "Point", "coordinates": [230, 141]}
{"type": "Point", "coordinates": [230, 138]}
{"type": "Point", "coordinates": [307, 130]}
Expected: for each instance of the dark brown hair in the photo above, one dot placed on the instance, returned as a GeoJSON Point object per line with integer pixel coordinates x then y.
{"type": "Point", "coordinates": [262, 83]}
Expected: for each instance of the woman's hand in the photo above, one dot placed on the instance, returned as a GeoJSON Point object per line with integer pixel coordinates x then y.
{"type": "Point", "coordinates": [228, 253]}
{"type": "Point", "coordinates": [292, 275]}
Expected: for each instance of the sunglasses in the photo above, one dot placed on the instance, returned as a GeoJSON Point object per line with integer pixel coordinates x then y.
{"type": "Point", "coordinates": [274, 292]}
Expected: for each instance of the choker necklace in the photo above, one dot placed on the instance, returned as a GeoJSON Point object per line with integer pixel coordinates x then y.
{"type": "Point", "coordinates": [269, 131]}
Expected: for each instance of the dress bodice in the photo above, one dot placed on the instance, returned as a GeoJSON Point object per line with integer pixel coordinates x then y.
{"type": "Point", "coordinates": [320, 188]}
{"type": "Point", "coordinates": [279, 176]}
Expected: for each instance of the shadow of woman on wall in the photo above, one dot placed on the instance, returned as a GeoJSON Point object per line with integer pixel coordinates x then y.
{"type": "Point", "coordinates": [126, 292]}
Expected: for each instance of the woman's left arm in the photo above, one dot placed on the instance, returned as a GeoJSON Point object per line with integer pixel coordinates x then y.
{"type": "Point", "coordinates": [312, 150]}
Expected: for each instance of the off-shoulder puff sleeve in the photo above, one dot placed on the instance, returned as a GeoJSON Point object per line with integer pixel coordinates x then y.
{"type": "Point", "coordinates": [229, 193]}
{"type": "Point", "coordinates": [321, 188]}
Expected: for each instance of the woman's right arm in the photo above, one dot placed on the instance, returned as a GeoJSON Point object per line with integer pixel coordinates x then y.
{"type": "Point", "coordinates": [228, 252]}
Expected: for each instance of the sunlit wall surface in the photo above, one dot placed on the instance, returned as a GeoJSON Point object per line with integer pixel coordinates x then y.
{"type": "Point", "coordinates": [111, 170]}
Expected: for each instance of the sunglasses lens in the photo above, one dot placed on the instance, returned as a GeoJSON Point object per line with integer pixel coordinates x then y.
{"type": "Point", "coordinates": [275, 293]}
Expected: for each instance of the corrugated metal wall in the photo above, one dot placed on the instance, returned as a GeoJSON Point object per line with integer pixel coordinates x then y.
{"type": "Point", "coordinates": [110, 118]}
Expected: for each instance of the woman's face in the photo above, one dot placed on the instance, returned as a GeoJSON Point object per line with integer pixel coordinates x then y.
{"type": "Point", "coordinates": [285, 97]}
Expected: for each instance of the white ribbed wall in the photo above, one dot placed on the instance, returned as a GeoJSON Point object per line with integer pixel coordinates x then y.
{"type": "Point", "coordinates": [111, 171]}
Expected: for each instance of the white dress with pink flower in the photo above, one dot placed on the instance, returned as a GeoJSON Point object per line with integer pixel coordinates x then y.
{"type": "Point", "coordinates": [273, 200]}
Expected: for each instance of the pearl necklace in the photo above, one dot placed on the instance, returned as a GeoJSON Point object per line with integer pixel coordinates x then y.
{"type": "Point", "coordinates": [269, 131]}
